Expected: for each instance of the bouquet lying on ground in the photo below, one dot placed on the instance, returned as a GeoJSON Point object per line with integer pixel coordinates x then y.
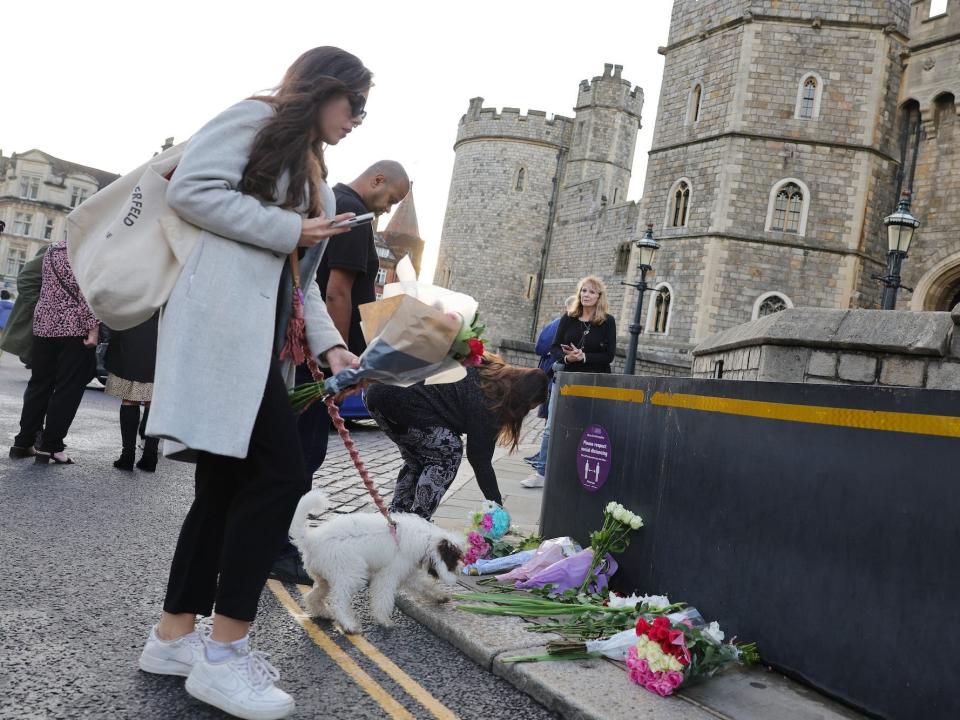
{"type": "Point", "coordinates": [416, 332]}
{"type": "Point", "coordinates": [487, 528]}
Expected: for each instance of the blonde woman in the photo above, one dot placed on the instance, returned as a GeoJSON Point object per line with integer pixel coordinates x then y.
{"type": "Point", "coordinates": [586, 339]}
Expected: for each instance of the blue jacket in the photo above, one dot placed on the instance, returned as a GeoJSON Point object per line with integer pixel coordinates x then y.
{"type": "Point", "coordinates": [544, 341]}
{"type": "Point", "coordinates": [7, 305]}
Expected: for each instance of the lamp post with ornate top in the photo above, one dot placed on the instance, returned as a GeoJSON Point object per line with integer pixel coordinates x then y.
{"type": "Point", "coordinates": [648, 249]}
{"type": "Point", "coordinates": [901, 226]}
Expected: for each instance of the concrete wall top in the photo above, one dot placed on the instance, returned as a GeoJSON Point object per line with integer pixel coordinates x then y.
{"type": "Point", "coordinates": [900, 331]}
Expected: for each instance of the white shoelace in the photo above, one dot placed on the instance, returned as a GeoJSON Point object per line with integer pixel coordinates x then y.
{"type": "Point", "coordinates": [261, 673]}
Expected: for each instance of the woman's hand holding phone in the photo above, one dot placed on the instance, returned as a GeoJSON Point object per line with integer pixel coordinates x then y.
{"type": "Point", "coordinates": [315, 230]}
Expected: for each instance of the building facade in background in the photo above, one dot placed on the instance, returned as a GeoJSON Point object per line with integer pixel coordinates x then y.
{"type": "Point", "coordinates": [785, 132]}
{"type": "Point", "coordinates": [37, 192]}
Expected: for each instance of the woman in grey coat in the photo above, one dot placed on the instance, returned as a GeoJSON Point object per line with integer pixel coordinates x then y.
{"type": "Point", "coordinates": [254, 180]}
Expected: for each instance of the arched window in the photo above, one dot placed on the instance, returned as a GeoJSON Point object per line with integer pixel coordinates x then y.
{"type": "Point", "coordinates": [787, 211]}
{"type": "Point", "coordinates": [808, 97]}
{"type": "Point", "coordinates": [520, 179]}
{"type": "Point", "coordinates": [679, 204]}
{"type": "Point", "coordinates": [770, 303]}
{"type": "Point", "coordinates": [693, 108]}
{"type": "Point", "coordinates": [658, 315]}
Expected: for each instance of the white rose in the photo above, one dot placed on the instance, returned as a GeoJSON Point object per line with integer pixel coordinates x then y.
{"type": "Point", "coordinates": [657, 601]}
{"type": "Point", "coordinates": [619, 514]}
{"type": "Point", "coordinates": [714, 632]}
{"type": "Point", "coordinates": [611, 506]}
{"type": "Point", "coordinates": [636, 522]}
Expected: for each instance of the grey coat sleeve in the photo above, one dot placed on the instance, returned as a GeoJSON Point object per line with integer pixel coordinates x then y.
{"type": "Point", "coordinates": [204, 189]}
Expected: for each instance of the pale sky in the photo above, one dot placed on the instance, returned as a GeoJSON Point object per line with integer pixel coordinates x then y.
{"type": "Point", "coordinates": [103, 83]}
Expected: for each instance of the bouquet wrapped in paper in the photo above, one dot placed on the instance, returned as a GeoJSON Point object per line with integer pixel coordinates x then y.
{"type": "Point", "coordinates": [416, 332]}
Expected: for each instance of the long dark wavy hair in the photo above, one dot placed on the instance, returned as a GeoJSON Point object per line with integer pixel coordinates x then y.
{"type": "Point", "coordinates": [511, 393]}
{"type": "Point", "coordinates": [287, 142]}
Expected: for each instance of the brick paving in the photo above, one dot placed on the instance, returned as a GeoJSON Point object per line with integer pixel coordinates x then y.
{"type": "Point", "coordinates": [343, 485]}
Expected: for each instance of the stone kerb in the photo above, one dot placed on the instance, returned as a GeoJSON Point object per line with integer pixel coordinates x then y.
{"type": "Point", "coordinates": [871, 347]}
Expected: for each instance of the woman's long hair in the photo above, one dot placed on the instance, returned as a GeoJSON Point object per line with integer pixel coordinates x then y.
{"type": "Point", "coordinates": [601, 309]}
{"type": "Point", "coordinates": [287, 142]}
{"type": "Point", "coordinates": [511, 393]}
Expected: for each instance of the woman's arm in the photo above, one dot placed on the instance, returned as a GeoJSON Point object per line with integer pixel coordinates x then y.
{"type": "Point", "coordinates": [480, 447]}
{"type": "Point", "coordinates": [605, 356]}
{"type": "Point", "coordinates": [204, 189]}
{"type": "Point", "coordinates": [555, 350]}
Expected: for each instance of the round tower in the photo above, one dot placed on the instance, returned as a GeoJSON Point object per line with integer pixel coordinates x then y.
{"type": "Point", "coordinates": [605, 133]}
{"type": "Point", "coordinates": [498, 212]}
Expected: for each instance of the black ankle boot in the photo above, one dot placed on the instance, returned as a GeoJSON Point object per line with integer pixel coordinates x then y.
{"type": "Point", "coordinates": [148, 461]}
{"type": "Point", "coordinates": [126, 460]}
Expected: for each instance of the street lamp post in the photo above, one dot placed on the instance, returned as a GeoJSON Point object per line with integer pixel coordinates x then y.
{"type": "Point", "coordinates": [648, 249]}
{"type": "Point", "coordinates": [901, 227]}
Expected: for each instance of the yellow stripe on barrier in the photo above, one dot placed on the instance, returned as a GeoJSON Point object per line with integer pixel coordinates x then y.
{"type": "Point", "coordinates": [603, 393]}
{"type": "Point", "coordinates": [940, 425]}
{"type": "Point", "coordinates": [411, 686]}
{"type": "Point", "coordinates": [393, 708]}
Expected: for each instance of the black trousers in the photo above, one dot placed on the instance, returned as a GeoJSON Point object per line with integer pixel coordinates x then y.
{"type": "Point", "coordinates": [60, 368]}
{"type": "Point", "coordinates": [240, 516]}
{"type": "Point", "coordinates": [313, 425]}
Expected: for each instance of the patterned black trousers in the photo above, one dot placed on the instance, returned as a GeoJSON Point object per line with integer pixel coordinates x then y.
{"type": "Point", "coordinates": [431, 458]}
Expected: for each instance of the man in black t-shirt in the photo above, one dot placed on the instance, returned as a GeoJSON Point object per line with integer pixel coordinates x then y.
{"type": "Point", "coordinates": [348, 271]}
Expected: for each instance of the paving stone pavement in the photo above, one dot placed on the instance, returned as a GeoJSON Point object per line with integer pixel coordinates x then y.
{"type": "Point", "coordinates": [339, 478]}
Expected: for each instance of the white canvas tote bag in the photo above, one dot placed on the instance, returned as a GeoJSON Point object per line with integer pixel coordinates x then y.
{"type": "Point", "coordinates": [126, 245]}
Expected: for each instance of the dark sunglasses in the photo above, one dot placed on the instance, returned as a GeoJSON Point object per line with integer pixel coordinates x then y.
{"type": "Point", "coordinates": [357, 103]}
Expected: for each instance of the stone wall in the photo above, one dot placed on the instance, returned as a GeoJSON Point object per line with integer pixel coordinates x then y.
{"type": "Point", "coordinates": [521, 354]}
{"type": "Point", "coordinates": [840, 347]}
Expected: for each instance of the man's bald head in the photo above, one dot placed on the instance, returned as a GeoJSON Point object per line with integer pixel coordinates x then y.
{"type": "Point", "coordinates": [382, 185]}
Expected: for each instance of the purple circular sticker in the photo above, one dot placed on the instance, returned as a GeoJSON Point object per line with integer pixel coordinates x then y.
{"type": "Point", "coordinates": [593, 457]}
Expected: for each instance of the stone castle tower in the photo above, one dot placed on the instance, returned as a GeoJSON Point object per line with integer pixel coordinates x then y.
{"type": "Point", "coordinates": [517, 182]}
{"type": "Point", "coordinates": [785, 132]}
{"type": "Point", "coordinates": [774, 160]}
{"type": "Point", "coordinates": [930, 153]}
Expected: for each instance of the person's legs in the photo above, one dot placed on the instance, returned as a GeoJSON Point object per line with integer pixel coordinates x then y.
{"type": "Point", "coordinates": [43, 375]}
{"type": "Point", "coordinates": [129, 421]}
{"type": "Point", "coordinates": [440, 451]}
{"type": "Point", "coordinates": [151, 446]}
{"type": "Point", "coordinates": [262, 507]}
{"type": "Point", "coordinates": [405, 488]}
{"type": "Point", "coordinates": [74, 370]}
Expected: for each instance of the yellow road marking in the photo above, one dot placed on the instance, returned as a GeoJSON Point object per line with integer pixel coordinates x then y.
{"type": "Point", "coordinates": [603, 393]}
{"type": "Point", "coordinates": [411, 686]}
{"type": "Point", "coordinates": [940, 425]}
{"type": "Point", "coordinates": [339, 656]}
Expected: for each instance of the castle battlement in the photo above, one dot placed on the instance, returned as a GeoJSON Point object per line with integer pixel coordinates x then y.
{"type": "Point", "coordinates": [509, 123]}
{"type": "Point", "coordinates": [610, 89]}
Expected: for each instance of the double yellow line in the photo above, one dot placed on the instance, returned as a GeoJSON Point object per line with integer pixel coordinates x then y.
{"type": "Point", "coordinates": [376, 691]}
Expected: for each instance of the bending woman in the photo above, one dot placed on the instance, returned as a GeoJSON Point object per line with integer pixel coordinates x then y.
{"type": "Point", "coordinates": [254, 180]}
{"type": "Point", "coordinates": [426, 422]}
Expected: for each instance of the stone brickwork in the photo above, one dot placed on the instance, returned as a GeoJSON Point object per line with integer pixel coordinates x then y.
{"type": "Point", "coordinates": [841, 347]}
{"type": "Point", "coordinates": [521, 354]}
{"type": "Point", "coordinates": [747, 136]}
{"type": "Point", "coordinates": [932, 82]}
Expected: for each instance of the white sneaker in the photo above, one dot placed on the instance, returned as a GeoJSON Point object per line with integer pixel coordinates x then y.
{"type": "Point", "coordinates": [242, 686]}
{"type": "Point", "coordinates": [173, 657]}
{"type": "Point", "coordinates": [533, 481]}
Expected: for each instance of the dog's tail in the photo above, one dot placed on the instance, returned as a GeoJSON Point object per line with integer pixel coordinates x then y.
{"type": "Point", "coordinates": [313, 503]}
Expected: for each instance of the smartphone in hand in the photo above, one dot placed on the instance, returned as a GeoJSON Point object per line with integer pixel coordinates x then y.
{"type": "Point", "coordinates": [354, 221]}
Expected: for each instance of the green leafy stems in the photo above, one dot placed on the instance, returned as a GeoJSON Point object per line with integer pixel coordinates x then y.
{"type": "Point", "coordinates": [303, 396]}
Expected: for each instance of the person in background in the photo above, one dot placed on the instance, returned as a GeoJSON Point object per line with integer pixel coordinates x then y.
{"type": "Point", "coordinates": [65, 333]}
{"type": "Point", "coordinates": [427, 421]}
{"type": "Point", "coordinates": [544, 343]}
{"type": "Point", "coordinates": [254, 180]}
{"type": "Point", "coordinates": [131, 359]}
{"type": "Point", "coordinates": [6, 305]}
{"type": "Point", "coordinates": [347, 278]}
{"type": "Point", "coordinates": [18, 333]}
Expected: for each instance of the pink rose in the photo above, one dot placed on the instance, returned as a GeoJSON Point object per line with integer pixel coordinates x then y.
{"type": "Point", "coordinates": [487, 522]}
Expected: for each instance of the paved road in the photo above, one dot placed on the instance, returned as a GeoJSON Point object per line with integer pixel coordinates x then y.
{"type": "Point", "coordinates": [84, 552]}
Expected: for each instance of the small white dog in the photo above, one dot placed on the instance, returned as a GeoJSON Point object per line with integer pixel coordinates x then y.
{"type": "Point", "coordinates": [342, 554]}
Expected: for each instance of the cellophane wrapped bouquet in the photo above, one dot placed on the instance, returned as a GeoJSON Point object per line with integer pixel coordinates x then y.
{"type": "Point", "coordinates": [418, 331]}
